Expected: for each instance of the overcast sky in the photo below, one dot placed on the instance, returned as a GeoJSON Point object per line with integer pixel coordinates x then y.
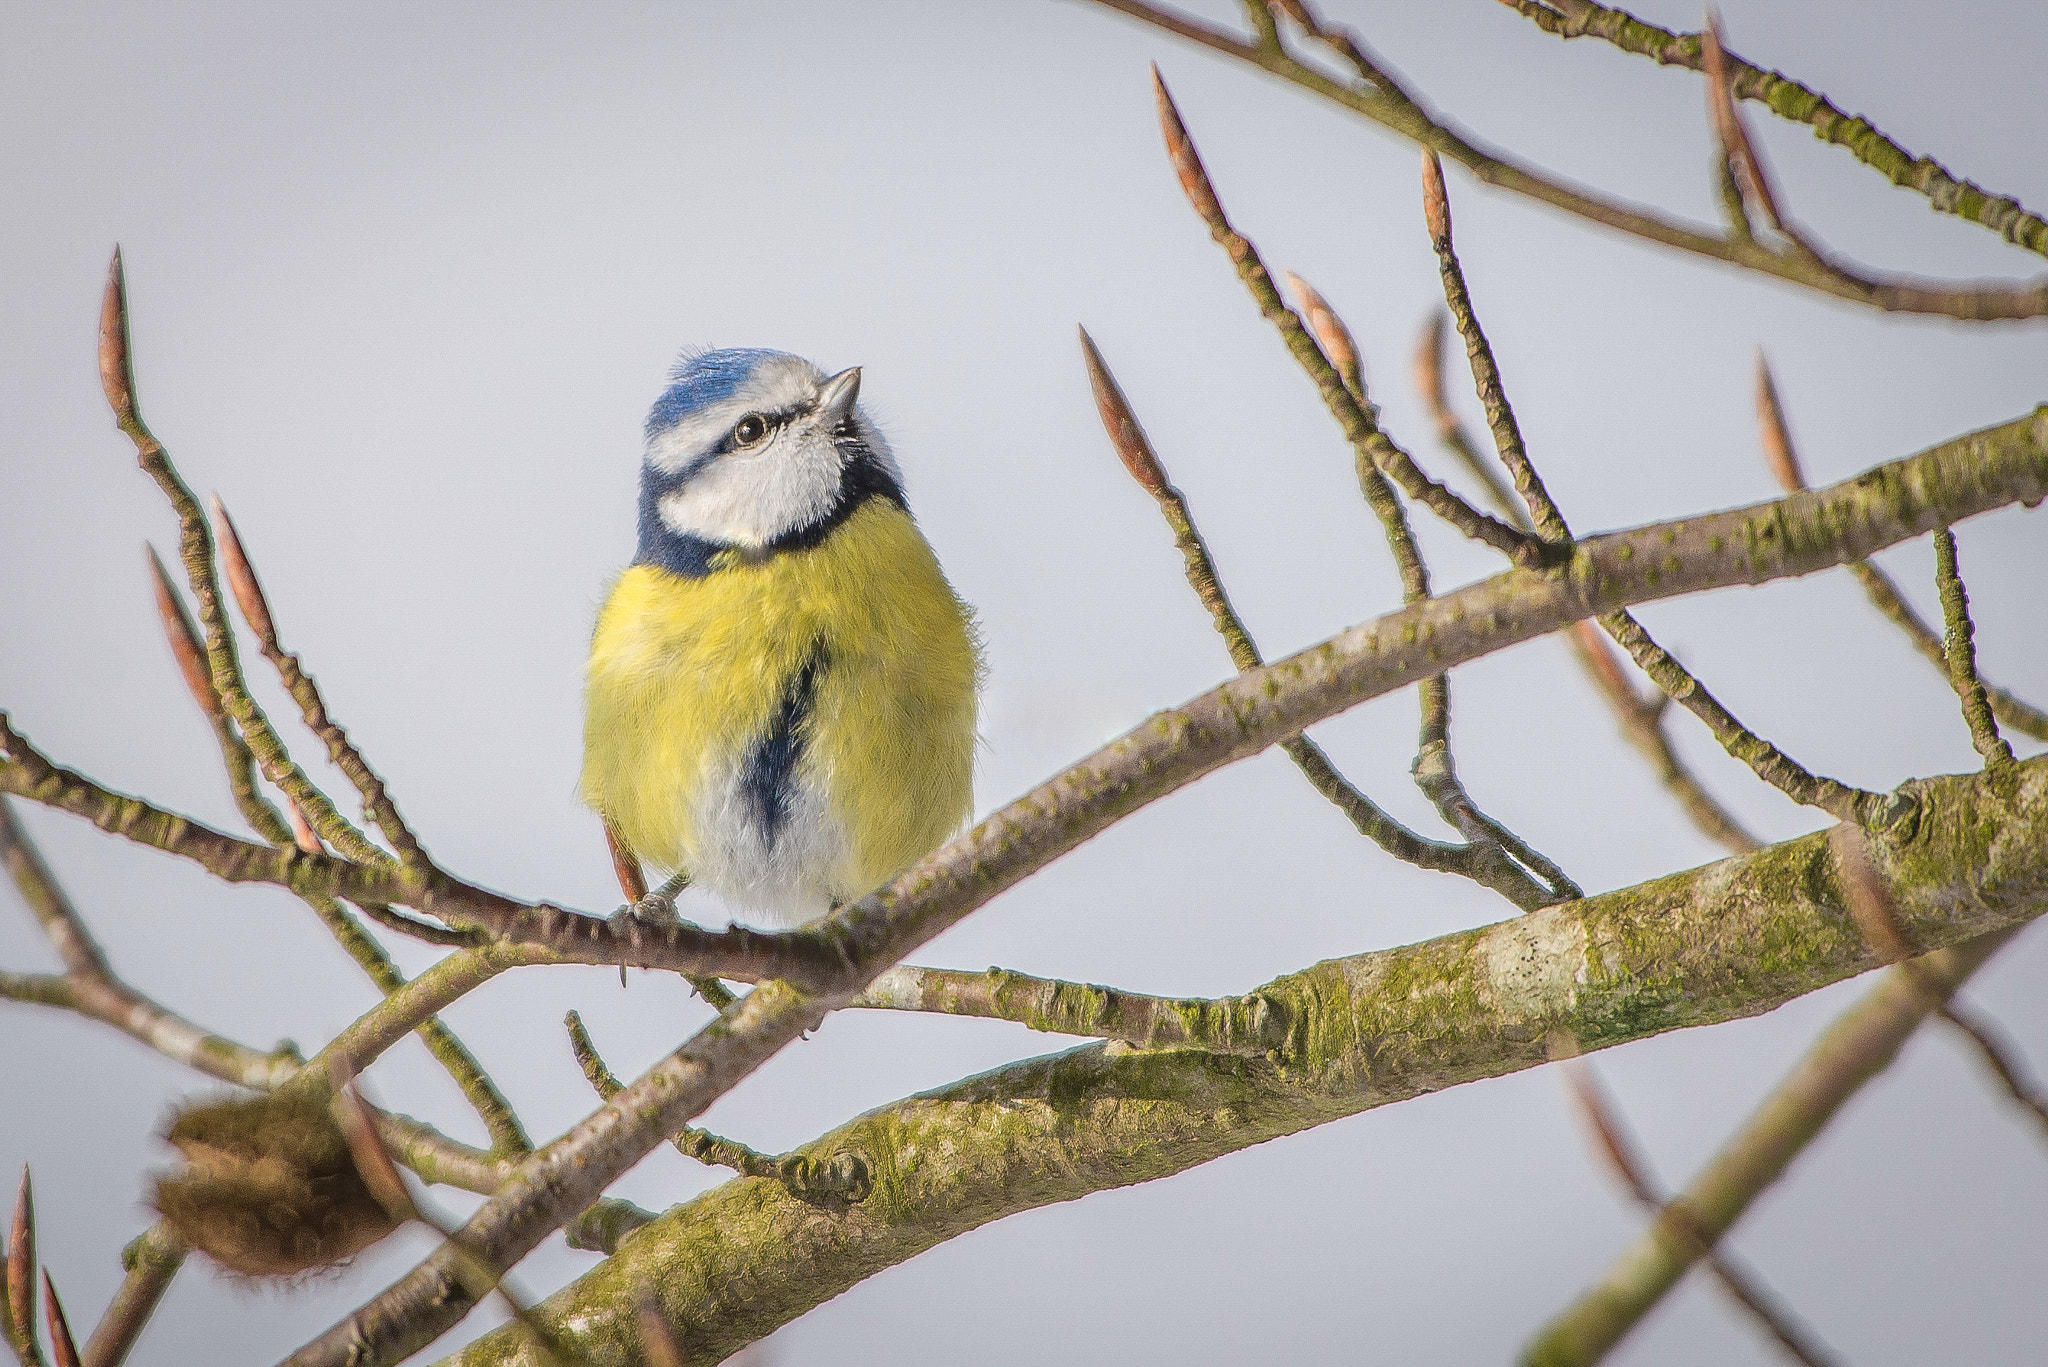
{"type": "Point", "coordinates": [404, 279]}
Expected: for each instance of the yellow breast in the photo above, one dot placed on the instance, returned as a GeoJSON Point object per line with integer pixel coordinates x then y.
{"type": "Point", "coordinates": [688, 678]}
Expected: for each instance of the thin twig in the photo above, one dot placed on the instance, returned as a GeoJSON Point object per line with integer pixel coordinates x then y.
{"type": "Point", "coordinates": [1547, 518]}
{"type": "Point", "coordinates": [1961, 649]}
{"type": "Point", "coordinates": [1428, 372]}
{"type": "Point", "coordinates": [1624, 1155]}
{"type": "Point", "coordinates": [196, 551]}
{"type": "Point", "coordinates": [152, 1259]}
{"type": "Point", "coordinates": [248, 591]}
{"type": "Point", "coordinates": [1359, 428]}
{"type": "Point", "coordinates": [1641, 716]}
{"type": "Point", "coordinates": [380, 1173]}
{"type": "Point", "coordinates": [1860, 1044]}
{"type": "Point", "coordinates": [1765, 760]}
{"type": "Point", "coordinates": [1493, 847]}
{"type": "Point", "coordinates": [1738, 152]}
{"type": "Point", "coordinates": [1484, 862]}
{"type": "Point", "coordinates": [189, 650]}
{"type": "Point", "coordinates": [844, 1178]}
{"type": "Point", "coordinates": [1381, 99]}
{"type": "Point", "coordinates": [1252, 1025]}
{"type": "Point", "coordinates": [1876, 914]}
{"type": "Point", "coordinates": [1783, 459]}
{"type": "Point", "coordinates": [1792, 101]}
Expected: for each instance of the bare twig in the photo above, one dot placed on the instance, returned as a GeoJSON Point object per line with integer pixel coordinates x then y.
{"type": "Point", "coordinates": [1359, 428]}
{"type": "Point", "coordinates": [373, 1161]}
{"type": "Point", "coordinates": [1766, 761]}
{"type": "Point", "coordinates": [1252, 1025]}
{"type": "Point", "coordinates": [195, 550]}
{"type": "Point", "coordinates": [845, 1178]}
{"type": "Point", "coordinates": [1484, 861]}
{"type": "Point", "coordinates": [1625, 1157]}
{"type": "Point", "coordinates": [1641, 716]}
{"type": "Point", "coordinates": [248, 591]}
{"type": "Point", "coordinates": [152, 1259]}
{"type": "Point", "coordinates": [1377, 96]}
{"type": "Point", "coordinates": [1856, 1048]}
{"type": "Point", "coordinates": [1547, 518]}
{"type": "Point", "coordinates": [1783, 459]}
{"type": "Point", "coordinates": [1961, 649]}
{"type": "Point", "coordinates": [1877, 916]}
{"type": "Point", "coordinates": [1790, 100]}
{"type": "Point", "coordinates": [1752, 179]}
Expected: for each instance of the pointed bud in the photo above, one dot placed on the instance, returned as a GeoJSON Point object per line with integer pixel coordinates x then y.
{"type": "Point", "coordinates": [21, 1265]}
{"type": "Point", "coordinates": [183, 634]}
{"type": "Point", "coordinates": [1436, 203]}
{"type": "Point", "coordinates": [1870, 901]}
{"type": "Point", "coordinates": [1330, 333]}
{"type": "Point", "coordinates": [117, 376]}
{"type": "Point", "coordinates": [373, 1160]}
{"type": "Point", "coordinates": [1428, 371]}
{"type": "Point", "coordinates": [657, 1345]}
{"type": "Point", "coordinates": [241, 576]}
{"type": "Point", "coordinates": [1606, 660]}
{"type": "Point", "coordinates": [63, 1348]}
{"type": "Point", "coordinates": [1187, 163]}
{"type": "Point", "coordinates": [1750, 176]}
{"type": "Point", "coordinates": [302, 829]}
{"type": "Point", "coordinates": [1132, 446]}
{"type": "Point", "coordinates": [1775, 435]}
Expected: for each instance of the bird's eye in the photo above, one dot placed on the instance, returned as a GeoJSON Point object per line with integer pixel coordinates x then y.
{"type": "Point", "coordinates": [751, 429]}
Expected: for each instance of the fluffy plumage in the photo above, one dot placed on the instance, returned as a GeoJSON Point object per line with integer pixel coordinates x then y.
{"type": "Point", "coordinates": [780, 699]}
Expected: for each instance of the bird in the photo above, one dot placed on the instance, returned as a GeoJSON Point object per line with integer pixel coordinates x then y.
{"type": "Point", "coordinates": [780, 704]}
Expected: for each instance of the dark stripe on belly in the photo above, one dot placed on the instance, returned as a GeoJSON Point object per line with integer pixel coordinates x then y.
{"type": "Point", "coordinates": [769, 782]}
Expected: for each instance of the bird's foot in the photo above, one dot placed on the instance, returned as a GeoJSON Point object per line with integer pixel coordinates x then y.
{"type": "Point", "coordinates": [657, 911]}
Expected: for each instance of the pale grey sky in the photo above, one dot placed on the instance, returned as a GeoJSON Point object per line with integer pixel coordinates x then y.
{"type": "Point", "coordinates": [404, 281]}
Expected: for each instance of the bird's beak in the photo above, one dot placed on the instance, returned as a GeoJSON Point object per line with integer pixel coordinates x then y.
{"type": "Point", "coordinates": [835, 402]}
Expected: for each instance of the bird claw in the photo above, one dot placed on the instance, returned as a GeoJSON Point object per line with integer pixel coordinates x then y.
{"type": "Point", "coordinates": [657, 911]}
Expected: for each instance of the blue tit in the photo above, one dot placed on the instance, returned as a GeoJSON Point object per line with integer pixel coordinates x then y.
{"type": "Point", "coordinates": [780, 701]}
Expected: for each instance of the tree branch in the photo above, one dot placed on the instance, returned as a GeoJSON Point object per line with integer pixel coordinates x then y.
{"type": "Point", "coordinates": [1381, 99]}
{"type": "Point", "coordinates": [1360, 1032]}
{"type": "Point", "coordinates": [1797, 103]}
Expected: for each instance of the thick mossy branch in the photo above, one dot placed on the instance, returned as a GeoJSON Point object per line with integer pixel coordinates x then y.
{"type": "Point", "coordinates": [1791, 100]}
{"type": "Point", "coordinates": [1375, 1029]}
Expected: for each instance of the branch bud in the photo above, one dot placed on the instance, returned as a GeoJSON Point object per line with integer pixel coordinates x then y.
{"type": "Point", "coordinates": [1330, 333]}
{"type": "Point", "coordinates": [1750, 175]}
{"type": "Point", "coordinates": [183, 635]}
{"type": "Point", "coordinates": [117, 376]}
{"type": "Point", "coordinates": [21, 1265]}
{"type": "Point", "coordinates": [63, 1348]}
{"type": "Point", "coordinates": [1132, 446]}
{"type": "Point", "coordinates": [1187, 163]}
{"type": "Point", "coordinates": [302, 829]}
{"type": "Point", "coordinates": [1436, 204]}
{"type": "Point", "coordinates": [241, 576]}
{"type": "Point", "coordinates": [1775, 435]}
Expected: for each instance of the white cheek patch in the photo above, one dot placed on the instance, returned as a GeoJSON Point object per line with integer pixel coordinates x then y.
{"type": "Point", "coordinates": [748, 499]}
